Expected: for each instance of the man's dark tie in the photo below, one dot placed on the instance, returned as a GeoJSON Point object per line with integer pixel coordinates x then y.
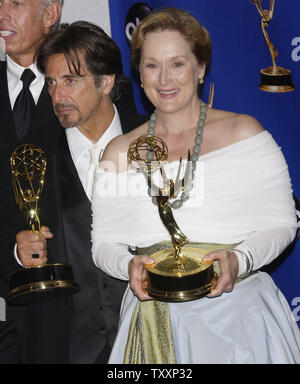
{"type": "Point", "coordinates": [24, 105]}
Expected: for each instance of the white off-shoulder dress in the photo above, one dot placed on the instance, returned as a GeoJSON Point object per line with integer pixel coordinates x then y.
{"type": "Point", "coordinates": [242, 194]}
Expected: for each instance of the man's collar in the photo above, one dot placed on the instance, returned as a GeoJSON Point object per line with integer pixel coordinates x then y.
{"type": "Point", "coordinates": [15, 70]}
{"type": "Point", "coordinates": [78, 143]}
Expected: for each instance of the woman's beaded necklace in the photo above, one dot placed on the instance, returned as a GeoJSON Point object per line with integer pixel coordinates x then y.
{"type": "Point", "coordinates": [195, 155]}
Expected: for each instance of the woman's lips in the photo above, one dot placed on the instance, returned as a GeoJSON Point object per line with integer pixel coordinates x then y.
{"type": "Point", "coordinates": [168, 92]}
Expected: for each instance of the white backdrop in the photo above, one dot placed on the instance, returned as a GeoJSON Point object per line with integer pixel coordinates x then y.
{"type": "Point", "coordinates": [95, 11]}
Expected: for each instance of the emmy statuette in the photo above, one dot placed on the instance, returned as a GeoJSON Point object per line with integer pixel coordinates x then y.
{"type": "Point", "coordinates": [179, 272]}
{"type": "Point", "coordinates": [28, 167]}
{"type": "Point", "coordinates": [274, 78]}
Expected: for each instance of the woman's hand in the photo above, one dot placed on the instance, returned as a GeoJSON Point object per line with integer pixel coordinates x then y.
{"type": "Point", "coordinates": [229, 266]}
{"type": "Point", "coordinates": [138, 276]}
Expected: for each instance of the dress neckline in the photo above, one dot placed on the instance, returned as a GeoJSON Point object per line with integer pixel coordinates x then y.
{"type": "Point", "coordinates": [226, 148]}
{"type": "Point", "coordinates": [210, 154]}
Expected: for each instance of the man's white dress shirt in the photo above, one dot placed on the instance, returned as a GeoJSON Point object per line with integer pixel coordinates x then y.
{"type": "Point", "coordinates": [15, 84]}
{"type": "Point", "coordinates": [86, 155]}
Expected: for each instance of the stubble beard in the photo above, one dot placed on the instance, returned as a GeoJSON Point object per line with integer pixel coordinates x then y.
{"type": "Point", "coordinates": [65, 120]}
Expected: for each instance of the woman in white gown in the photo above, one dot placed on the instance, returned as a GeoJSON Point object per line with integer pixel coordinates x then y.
{"type": "Point", "coordinates": [240, 208]}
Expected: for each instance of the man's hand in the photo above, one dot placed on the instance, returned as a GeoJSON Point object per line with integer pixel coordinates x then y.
{"type": "Point", "coordinates": [29, 243]}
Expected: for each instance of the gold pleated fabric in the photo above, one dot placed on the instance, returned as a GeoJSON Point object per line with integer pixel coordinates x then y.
{"type": "Point", "coordinates": [150, 338]}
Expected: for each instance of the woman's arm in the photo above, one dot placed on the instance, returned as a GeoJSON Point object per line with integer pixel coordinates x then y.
{"type": "Point", "coordinates": [263, 246]}
{"type": "Point", "coordinates": [115, 260]}
{"type": "Point", "coordinates": [112, 258]}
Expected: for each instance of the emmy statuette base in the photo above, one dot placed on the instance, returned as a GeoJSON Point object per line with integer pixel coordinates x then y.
{"type": "Point", "coordinates": [181, 296]}
{"type": "Point", "coordinates": [171, 281]}
{"type": "Point", "coordinates": [277, 80]}
{"type": "Point", "coordinates": [41, 283]}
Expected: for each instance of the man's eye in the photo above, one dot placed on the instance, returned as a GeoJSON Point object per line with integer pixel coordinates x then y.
{"type": "Point", "coordinates": [50, 83]}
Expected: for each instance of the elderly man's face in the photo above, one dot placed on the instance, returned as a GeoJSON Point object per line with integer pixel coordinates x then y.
{"type": "Point", "coordinates": [23, 23]}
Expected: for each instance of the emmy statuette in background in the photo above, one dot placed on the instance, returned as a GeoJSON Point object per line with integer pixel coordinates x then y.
{"type": "Point", "coordinates": [178, 273]}
{"type": "Point", "coordinates": [28, 167]}
{"type": "Point", "coordinates": [275, 78]}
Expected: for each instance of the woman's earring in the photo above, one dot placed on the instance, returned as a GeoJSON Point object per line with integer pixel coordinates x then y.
{"type": "Point", "coordinates": [201, 80]}
{"type": "Point", "coordinates": [142, 85]}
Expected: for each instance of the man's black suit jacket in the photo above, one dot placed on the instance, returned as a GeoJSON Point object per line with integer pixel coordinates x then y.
{"type": "Point", "coordinates": [55, 331]}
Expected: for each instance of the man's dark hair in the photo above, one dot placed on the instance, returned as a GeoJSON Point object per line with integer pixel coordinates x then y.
{"type": "Point", "coordinates": [102, 55]}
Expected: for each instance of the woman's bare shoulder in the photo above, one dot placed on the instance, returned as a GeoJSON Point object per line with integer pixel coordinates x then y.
{"type": "Point", "coordinates": [236, 126]}
{"type": "Point", "coordinates": [245, 126]}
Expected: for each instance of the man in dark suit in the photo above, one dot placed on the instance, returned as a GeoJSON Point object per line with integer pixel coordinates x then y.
{"type": "Point", "coordinates": [81, 328]}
